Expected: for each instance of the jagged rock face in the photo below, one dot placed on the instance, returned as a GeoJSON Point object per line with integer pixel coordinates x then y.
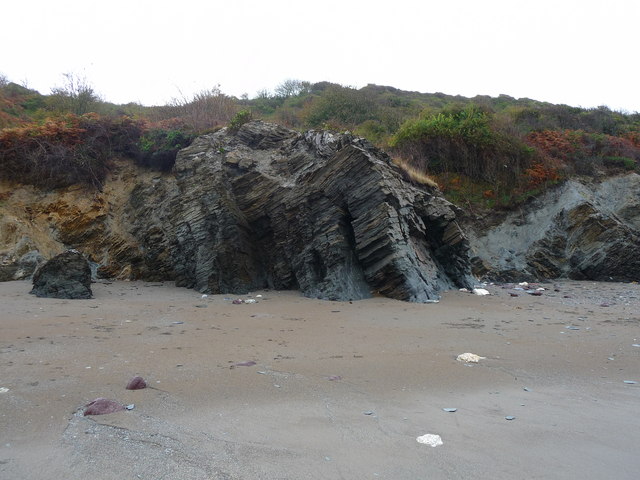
{"type": "Point", "coordinates": [67, 275]}
{"type": "Point", "coordinates": [580, 231]}
{"type": "Point", "coordinates": [269, 207]}
{"type": "Point", "coordinates": [265, 207]}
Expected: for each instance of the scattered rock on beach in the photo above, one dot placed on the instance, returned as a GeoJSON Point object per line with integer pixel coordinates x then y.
{"type": "Point", "coordinates": [430, 439]}
{"type": "Point", "coordinates": [102, 406]}
{"type": "Point", "coordinates": [469, 358]}
{"type": "Point", "coordinates": [250, 363]}
{"type": "Point", "coordinates": [136, 383]}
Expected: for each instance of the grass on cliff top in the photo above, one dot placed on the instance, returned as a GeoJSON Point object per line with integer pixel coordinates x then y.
{"type": "Point", "coordinates": [414, 174]}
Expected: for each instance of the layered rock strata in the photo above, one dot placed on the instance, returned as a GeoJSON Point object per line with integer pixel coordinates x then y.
{"type": "Point", "coordinates": [267, 207]}
{"type": "Point", "coordinates": [330, 215]}
{"type": "Point", "coordinates": [584, 231]}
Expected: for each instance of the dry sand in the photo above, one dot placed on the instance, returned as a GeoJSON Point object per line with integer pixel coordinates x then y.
{"type": "Point", "coordinates": [339, 390]}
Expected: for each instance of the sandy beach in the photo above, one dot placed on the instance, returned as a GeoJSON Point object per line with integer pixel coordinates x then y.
{"type": "Point", "coordinates": [338, 390]}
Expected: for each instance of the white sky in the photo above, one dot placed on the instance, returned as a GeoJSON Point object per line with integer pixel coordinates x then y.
{"type": "Point", "coordinates": [577, 52]}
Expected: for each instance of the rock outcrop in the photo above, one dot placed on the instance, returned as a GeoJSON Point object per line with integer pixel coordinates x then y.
{"type": "Point", "coordinates": [267, 207]}
{"type": "Point", "coordinates": [67, 275]}
{"type": "Point", "coordinates": [578, 230]}
{"type": "Point", "coordinates": [329, 215]}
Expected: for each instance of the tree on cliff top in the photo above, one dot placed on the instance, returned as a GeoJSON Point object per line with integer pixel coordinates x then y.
{"type": "Point", "coordinates": [75, 95]}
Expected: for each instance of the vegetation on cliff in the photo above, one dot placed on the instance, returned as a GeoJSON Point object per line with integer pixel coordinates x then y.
{"type": "Point", "coordinates": [482, 150]}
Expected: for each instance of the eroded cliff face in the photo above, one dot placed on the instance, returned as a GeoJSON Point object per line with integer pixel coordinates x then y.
{"type": "Point", "coordinates": [584, 231]}
{"type": "Point", "coordinates": [262, 207]}
{"type": "Point", "coordinates": [35, 225]}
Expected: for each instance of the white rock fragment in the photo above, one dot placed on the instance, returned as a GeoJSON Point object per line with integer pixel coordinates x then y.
{"type": "Point", "coordinates": [469, 358]}
{"type": "Point", "coordinates": [481, 291]}
{"type": "Point", "coordinates": [430, 439]}
{"type": "Point", "coordinates": [4, 389]}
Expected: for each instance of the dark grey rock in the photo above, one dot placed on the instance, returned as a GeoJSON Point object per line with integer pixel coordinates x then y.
{"type": "Point", "coordinates": [22, 268]}
{"type": "Point", "coordinates": [271, 208]}
{"type": "Point", "coordinates": [8, 272]}
{"type": "Point", "coordinates": [67, 275]}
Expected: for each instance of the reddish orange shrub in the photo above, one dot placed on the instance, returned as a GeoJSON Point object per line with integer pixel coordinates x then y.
{"type": "Point", "coordinates": [540, 174]}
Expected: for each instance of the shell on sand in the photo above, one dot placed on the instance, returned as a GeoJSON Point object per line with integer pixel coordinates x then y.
{"type": "Point", "coordinates": [481, 291]}
{"type": "Point", "coordinates": [102, 406]}
{"type": "Point", "coordinates": [469, 358]}
{"type": "Point", "coordinates": [430, 439]}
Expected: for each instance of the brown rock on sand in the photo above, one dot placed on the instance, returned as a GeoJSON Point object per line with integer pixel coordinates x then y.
{"type": "Point", "coordinates": [136, 383]}
{"type": "Point", "coordinates": [102, 406]}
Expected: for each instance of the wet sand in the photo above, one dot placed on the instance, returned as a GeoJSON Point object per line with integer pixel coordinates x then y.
{"type": "Point", "coordinates": [339, 390]}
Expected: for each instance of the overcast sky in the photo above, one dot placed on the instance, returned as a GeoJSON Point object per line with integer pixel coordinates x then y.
{"type": "Point", "coordinates": [577, 52]}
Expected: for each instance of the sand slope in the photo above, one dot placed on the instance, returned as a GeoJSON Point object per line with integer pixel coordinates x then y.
{"type": "Point", "coordinates": [338, 391]}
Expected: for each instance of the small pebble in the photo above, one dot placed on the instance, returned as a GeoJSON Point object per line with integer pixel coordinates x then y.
{"type": "Point", "coordinates": [509, 417]}
{"type": "Point", "coordinates": [250, 363]}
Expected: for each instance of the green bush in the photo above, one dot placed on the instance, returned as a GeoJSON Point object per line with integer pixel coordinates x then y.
{"type": "Point", "coordinates": [341, 106]}
{"type": "Point", "coordinates": [463, 141]}
{"type": "Point", "coordinates": [240, 118]}
{"type": "Point", "coordinates": [624, 163]}
{"type": "Point", "coordinates": [159, 147]}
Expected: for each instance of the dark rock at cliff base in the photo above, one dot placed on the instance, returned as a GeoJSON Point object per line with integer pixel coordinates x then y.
{"type": "Point", "coordinates": [268, 207]}
{"type": "Point", "coordinates": [22, 268]}
{"type": "Point", "coordinates": [67, 275]}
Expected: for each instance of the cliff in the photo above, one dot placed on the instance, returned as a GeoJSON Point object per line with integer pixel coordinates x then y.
{"type": "Point", "coordinates": [263, 207]}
